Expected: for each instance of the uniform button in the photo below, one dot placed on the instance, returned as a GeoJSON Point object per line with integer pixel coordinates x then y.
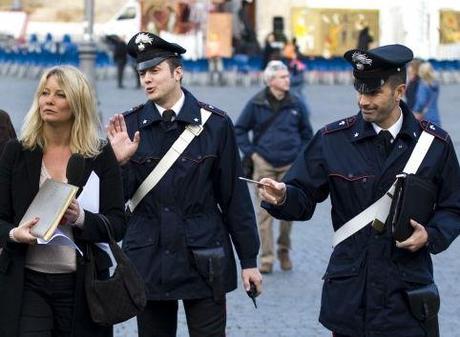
{"type": "Point", "coordinates": [167, 294]}
{"type": "Point", "coordinates": [166, 209]}
{"type": "Point", "coordinates": [217, 242]}
{"type": "Point", "coordinates": [350, 175]}
{"type": "Point", "coordinates": [149, 160]}
{"type": "Point", "coordinates": [183, 160]}
{"type": "Point", "coordinates": [199, 157]}
{"type": "Point", "coordinates": [167, 251]}
{"type": "Point", "coordinates": [364, 180]}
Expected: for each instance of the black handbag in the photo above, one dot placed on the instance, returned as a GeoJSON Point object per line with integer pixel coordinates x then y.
{"type": "Point", "coordinates": [119, 297]}
{"type": "Point", "coordinates": [414, 198]}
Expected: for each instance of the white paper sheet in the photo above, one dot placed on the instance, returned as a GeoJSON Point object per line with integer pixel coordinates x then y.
{"type": "Point", "coordinates": [89, 196]}
{"type": "Point", "coordinates": [60, 239]}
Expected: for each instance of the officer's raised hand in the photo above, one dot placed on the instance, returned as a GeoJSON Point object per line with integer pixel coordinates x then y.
{"type": "Point", "coordinates": [417, 240]}
{"type": "Point", "coordinates": [122, 145]}
{"type": "Point", "coordinates": [274, 193]}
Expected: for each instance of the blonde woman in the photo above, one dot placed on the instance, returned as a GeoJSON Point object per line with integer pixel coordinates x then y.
{"type": "Point", "coordinates": [426, 99]}
{"type": "Point", "coordinates": [41, 286]}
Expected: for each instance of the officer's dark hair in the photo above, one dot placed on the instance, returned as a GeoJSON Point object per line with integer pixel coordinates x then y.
{"type": "Point", "coordinates": [173, 63]}
{"type": "Point", "coordinates": [397, 78]}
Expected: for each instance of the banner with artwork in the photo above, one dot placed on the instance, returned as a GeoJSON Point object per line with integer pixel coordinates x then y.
{"type": "Point", "coordinates": [449, 26]}
{"type": "Point", "coordinates": [330, 32]}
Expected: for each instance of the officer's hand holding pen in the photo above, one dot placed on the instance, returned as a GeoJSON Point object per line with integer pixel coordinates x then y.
{"type": "Point", "coordinates": [272, 192]}
{"type": "Point", "coordinates": [122, 145]}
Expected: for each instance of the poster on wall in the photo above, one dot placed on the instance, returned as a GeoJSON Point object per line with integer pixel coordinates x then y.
{"type": "Point", "coordinates": [449, 26]}
{"type": "Point", "coordinates": [331, 32]}
{"type": "Point", "coordinates": [219, 35]}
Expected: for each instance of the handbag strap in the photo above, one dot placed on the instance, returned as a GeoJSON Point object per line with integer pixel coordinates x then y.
{"type": "Point", "coordinates": [179, 146]}
{"type": "Point", "coordinates": [107, 226]}
{"type": "Point", "coordinates": [380, 209]}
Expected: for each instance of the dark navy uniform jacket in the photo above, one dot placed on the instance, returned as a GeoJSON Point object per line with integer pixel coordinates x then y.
{"type": "Point", "coordinates": [366, 275]}
{"type": "Point", "coordinates": [199, 203]}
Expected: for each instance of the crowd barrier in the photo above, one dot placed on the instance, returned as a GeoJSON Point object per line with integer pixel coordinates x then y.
{"type": "Point", "coordinates": [238, 70]}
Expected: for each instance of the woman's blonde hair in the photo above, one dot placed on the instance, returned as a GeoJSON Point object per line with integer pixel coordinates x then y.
{"type": "Point", "coordinates": [84, 138]}
{"type": "Point", "coordinates": [426, 72]}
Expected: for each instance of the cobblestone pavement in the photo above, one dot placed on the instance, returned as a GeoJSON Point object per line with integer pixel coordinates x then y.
{"type": "Point", "coordinates": [289, 306]}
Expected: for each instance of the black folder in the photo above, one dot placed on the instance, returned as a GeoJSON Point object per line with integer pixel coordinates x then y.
{"type": "Point", "coordinates": [414, 198]}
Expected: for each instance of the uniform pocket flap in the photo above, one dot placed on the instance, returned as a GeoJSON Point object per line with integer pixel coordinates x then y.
{"type": "Point", "coordinates": [342, 268]}
{"type": "Point", "coordinates": [142, 232]}
{"type": "Point", "coordinates": [204, 231]}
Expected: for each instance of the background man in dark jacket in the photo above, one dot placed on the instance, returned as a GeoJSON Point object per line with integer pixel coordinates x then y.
{"type": "Point", "coordinates": [120, 57]}
{"type": "Point", "coordinates": [355, 161]}
{"type": "Point", "coordinates": [273, 148]}
{"type": "Point", "coordinates": [180, 235]}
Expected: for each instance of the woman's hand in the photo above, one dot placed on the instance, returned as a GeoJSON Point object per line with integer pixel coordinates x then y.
{"type": "Point", "coordinates": [72, 212]}
{"type": "Point", "coordinates": [22, 233]}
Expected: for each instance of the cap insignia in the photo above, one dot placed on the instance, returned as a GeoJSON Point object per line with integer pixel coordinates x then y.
{"type": "Point", "coordinates": [141, 40]}
{"type": "Point", "coordinates": [360, 60]}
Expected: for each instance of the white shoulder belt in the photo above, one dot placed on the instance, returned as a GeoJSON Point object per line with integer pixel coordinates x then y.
{"type": "Point", "coordinates": [179, 146]}
{"type": "Point", "coordinates": [380, 209]}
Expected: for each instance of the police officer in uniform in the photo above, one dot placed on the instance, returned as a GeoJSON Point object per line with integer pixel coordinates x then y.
{"type": "Point", "coordinates": [355, 161]}
{"type": "Point", "coordinates": [179, 236]}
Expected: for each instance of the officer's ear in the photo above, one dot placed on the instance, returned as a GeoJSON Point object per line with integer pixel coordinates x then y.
{"type": "Point", "coordinates": [400, 90]}
{"type": "Point", "coordinates": [178, 73]}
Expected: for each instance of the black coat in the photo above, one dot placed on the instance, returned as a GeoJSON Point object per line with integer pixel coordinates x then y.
{"type": "Point", "coordinates": [6, 129]}
{"type": "Point", "coordinates": [19, 182]}
{"type": "Point", "coordinates": [367, 274]}
{"type": "Point", "coordinates": [199, 203]}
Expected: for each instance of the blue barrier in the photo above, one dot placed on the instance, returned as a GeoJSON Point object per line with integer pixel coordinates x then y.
{"type": "Point", "coordinates": [318, 69]}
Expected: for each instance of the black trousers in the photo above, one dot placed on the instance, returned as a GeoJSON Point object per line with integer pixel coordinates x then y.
{"type": "Point", "coordinates": [47, 305]}
{"type": "Point", "coordinates": [205, 318]}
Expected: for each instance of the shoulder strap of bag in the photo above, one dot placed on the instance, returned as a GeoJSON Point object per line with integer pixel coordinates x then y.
{"type": "Point", "coordinates": [380, 209]}
{"type": "Point", "coordinates": [265, 126]}
{"type": "Point", "coordinates": [179, 146]}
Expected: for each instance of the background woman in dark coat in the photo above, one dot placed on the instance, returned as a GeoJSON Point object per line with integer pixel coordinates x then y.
{"type": "Point", "coordinates": [6, 129]}
{"type": "Point", "coordinates": [42, 286]}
